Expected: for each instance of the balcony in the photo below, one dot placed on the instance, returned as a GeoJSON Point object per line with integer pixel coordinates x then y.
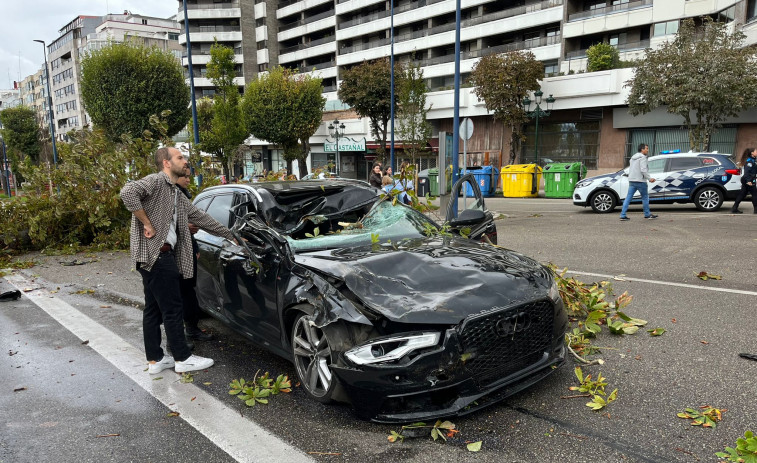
{"type": "Point", "coordinates": [522, 45]}
{"type": "Point", "coordinates": [308, 20]}
{"type": "Point", "coordinates": [212, 6]}
{"type": "Point", "coordinates": [303, 46]}
{"type": "Point", "coordinates": [622, 47]}
{"type": "Point", "coordinates": [609, 10]}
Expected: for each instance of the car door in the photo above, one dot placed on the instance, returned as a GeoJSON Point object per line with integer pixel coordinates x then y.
{"type": "Point", "coordinates": [209, 293]}
{"type": "Point", "coordinates": [249, 282]}
{"type": "Point", "coordinates": [470, 218]}
{"type": "Point", "coordinates": [656, 189]}
{"type": "Point", "coordinates": [683, 175]}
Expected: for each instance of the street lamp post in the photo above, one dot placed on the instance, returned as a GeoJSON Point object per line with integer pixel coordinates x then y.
{"type": "Point", "coordinates": [336, 130]}
{"type": "Point", "coordinates": [536, 114]}
{"type": "Point", "coordinates": [50, 104]}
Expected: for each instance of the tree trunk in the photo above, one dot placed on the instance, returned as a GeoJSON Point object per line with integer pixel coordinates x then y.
{"type": "Point", "coordinates": [302, 161]}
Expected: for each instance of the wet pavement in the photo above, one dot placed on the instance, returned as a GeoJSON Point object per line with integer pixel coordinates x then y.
{"type": "Point", "coordinates": [694, 363]}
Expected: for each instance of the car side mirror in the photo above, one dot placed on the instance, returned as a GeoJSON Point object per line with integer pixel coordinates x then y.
{"type": "Point", "coordinates": [468, 217]}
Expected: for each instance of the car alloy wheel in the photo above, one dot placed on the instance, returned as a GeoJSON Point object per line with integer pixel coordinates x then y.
{"type": "Point", "coordinates": [603, 202]}
{"type": "Point", "coordinates": [312, 358]}
{"type": "Point", "coordinates": [708, 199]}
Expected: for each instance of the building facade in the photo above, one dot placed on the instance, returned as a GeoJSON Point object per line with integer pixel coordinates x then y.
{"type": "Point", "coordinates": [589, 122]}
{"type": "Point", "coordinates": [33, 90]}
{"type": "Point", "coordinates": [88, 33]}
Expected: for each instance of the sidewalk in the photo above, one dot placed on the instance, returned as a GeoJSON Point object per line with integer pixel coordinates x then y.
{"type": "Point", "coordinates": [110, 275]}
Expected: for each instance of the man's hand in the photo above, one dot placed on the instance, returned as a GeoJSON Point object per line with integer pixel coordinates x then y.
{"type": "Point", "coordinates": [149, 231]}
{"type": "Point", "coordinates": [651, 180]}
{"type": "Point", "coordinates": [193, 228]}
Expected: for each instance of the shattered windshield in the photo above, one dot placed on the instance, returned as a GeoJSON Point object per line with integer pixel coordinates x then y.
{"type": "Point", "coordinates": [384, 222]}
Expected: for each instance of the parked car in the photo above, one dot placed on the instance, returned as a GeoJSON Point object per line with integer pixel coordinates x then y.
{"type": "Point", "coordinates": [706, 179]}
{"type": "Point", "coordinates": [376, 304]}
{"type": "Point", "coordinates": [320, 176]}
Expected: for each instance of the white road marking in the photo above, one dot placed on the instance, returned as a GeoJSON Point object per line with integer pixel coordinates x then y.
{"type": "Point", "coordinates": [665, 283]}
{"type": "Point", "coordinates": [241, 438]}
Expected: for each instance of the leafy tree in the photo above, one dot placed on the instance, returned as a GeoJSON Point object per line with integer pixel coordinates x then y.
{"type": "Point", "coordinates": [502, 81]}
{"type": "Point", "coordinates": [21, 134]}
{"type": "Point", "coordinates": [704, 75]}
{"type": "Point", "coordinates": [602, 57]}
{"type": "Point", "coordinates": [412, 126]}
{"type": "Point", "coordinates": [285, 109]}
{"type": "Point", "coordinates": [221, 127]}
{"type": "Point", "coordinates": [123, 84]}
{"type": "Point", "coordinates": [367, 89]}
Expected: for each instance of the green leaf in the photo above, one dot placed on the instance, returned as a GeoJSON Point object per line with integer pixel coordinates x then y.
{"type": "Point", "coordinates": [656, 332]}
{"type": "Point", "coordinates": [474, 446]}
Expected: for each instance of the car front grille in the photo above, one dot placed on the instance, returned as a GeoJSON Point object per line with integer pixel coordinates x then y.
{"type": "Point", "coordinates": [498, 344]}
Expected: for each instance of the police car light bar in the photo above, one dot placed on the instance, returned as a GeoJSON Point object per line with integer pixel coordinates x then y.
{"type": "Point", "coordinates": [670, 151]}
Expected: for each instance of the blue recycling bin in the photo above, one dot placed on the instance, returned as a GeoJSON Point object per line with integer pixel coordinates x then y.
{"type": "Point", "coordinates": [483, 176]}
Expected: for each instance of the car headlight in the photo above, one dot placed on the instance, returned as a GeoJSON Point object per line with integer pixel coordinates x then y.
{"type": "Point", "coordinates": [583, 183]}
{"type": "Point", "coordinates": [390, 349]}
{"type": "Point", "coordinates": [554, 292]}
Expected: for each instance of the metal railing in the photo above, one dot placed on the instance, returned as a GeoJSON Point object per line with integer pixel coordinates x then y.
{"type": "Point", "coordinates": [302, 22]}
{"type": "Point", "coordinates": [522, 45]}
{"type": "Point", "coordinates": [609, 10]}
{"type": "Point", "coordinates": [212, 6]}
{"type": "Point", "coordinates": [622, 47]}
{"type": "Point", "coordinates": [303, 46]}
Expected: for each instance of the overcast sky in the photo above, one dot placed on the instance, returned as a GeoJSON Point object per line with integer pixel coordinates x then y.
{"type": "Point", "coordinates": [26, 20]}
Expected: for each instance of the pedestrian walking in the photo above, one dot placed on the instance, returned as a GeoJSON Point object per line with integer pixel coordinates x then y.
{"type": "Point", "coordinates": [375, 178]}
{"type": "Point", "coordinates": [748, 180]}
{"type": "Point", "coordinates": [188, 293]}
{"type": "Point", "coordinates": [638, 176]}
{"type": "Point", "coordinates": [161, 249]}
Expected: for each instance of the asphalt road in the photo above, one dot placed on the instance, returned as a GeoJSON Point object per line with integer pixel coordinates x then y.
{"type": "Point", "coordinates": [694, 363]}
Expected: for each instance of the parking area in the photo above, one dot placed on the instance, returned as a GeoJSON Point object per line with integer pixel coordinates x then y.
{"type": "Point", "coordinates": [694, 363]}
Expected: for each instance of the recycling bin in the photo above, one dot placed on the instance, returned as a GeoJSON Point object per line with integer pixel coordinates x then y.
{"type": "Point", "coordinates": [520, 180]}
{"type": "Point", "coordinates": [560, 179]}
{"type": "Point", "coordinates": [483, 176]}
{"type": "Point", "coordinates": [422, 189]}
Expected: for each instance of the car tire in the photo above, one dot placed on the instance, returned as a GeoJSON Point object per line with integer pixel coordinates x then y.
{"type": "Point", "coordinates": [603, 202]}
{"type": "Point", "coordinates": [708, 199]}
{"type": "Point", "coordinates": [311, 355]}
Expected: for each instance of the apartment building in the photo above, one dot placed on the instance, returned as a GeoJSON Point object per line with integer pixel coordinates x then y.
{"type": "Point", "coordinates": [589, 122]}
{"type": "Point", "coordinates": [33, 95]}
{"type": "Point", "coordinates": [85, 34]}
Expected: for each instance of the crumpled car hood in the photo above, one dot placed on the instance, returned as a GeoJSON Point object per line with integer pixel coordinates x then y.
{"type": "Point", "coordinates": [433, 281]}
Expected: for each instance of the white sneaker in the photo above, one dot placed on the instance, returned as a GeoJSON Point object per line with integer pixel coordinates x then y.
{"type": "Point", "coordinates": [157, 367]}
{"type": "Point", "coordinates": [193, 363]}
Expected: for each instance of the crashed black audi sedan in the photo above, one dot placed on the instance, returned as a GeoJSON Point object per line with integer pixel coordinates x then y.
{"type": "Point", "coordinates": [376, 304]}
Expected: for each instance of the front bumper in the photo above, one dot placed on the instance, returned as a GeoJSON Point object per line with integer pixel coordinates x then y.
{"type": "Point", "coordinates": [466, 373]}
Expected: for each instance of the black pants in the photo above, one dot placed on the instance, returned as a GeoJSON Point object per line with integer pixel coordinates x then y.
{"type": "Point", "coordinates": [191, 306]}
{"type": "Point", "coordinates": [163, 303]}
{"type": "Point", "coordinates": [742, 195]}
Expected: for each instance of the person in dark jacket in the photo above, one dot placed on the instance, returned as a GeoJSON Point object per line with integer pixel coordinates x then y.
{"type": "Point", "coordinates": [749, 165]}
{"type": "Point", "coordinates": [187, 286]}
{"type": "Point", "coordinates": [375, 177]}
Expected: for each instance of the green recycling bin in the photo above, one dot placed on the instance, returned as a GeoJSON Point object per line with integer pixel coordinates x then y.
{"type": "Point", "coordinates": [560, 179]}
{"type": "Point", "coordinates": [433, 181]}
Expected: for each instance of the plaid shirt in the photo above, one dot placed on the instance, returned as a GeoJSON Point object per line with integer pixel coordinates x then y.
{"type": "Point", "coordinates": [155, 194]}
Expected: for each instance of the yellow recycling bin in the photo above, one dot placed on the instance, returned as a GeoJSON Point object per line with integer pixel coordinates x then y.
{"type": "Point", "coordinates": [520, 180]}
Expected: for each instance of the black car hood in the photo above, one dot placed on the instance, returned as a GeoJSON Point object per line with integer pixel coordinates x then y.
{"type": "Point", "coordinates": [432, 281]}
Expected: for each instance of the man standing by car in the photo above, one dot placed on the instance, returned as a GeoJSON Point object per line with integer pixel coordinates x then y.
{"type": "Point", "coordinates": [638, 175]}
{"type": "Point", "coordinates": [749, 163]}
{"type": "Point", "coordinates": [161, 249]}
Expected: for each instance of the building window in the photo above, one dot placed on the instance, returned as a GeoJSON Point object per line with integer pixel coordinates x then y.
{"type": "Point", "coordinates": [144, 22]}
{"type": "Point", "coordinates": [550, 68]}
{"type": "Point", "coordinates": [666, 28]}
{"type": "Point", "coordinates": [260, 22]}
{"type": "Point", "coordinates": [751, 9]}
{"type": "Point", "coordinates": [262, 45]}
{"type": "Point", "coordinates": [263, 67]}
{"type": "Point", "coordinates": [172, 36]}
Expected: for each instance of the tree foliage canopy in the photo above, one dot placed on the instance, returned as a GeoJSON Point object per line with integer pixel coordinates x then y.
{"type": "Point", "coordinates": [501, 81]}
{"type": "Point", "coordinates": [704, 75]}
{"type": "Point", "coordinates": [367, 89]}
{"type": "Point", "coordinates": [285, 109]}
{"type": "Point", "coordinates": [412, 126]}
{"type": "Point", "coordinates": [123, 84]}
{"type": "Point", "coordinates": [220, 120]}
{"type": "Point", "coordinates": [21, 134]}
{"type": "Point", "coordinates": [602, 57]}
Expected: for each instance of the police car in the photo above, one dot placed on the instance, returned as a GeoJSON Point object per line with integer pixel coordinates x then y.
{"type": "Point", "coordinates": [706, 179]}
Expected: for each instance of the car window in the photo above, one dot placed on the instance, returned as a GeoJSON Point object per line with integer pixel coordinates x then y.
{"type": "Point", "coordinates": [707, 161]}
{"type": "Point", "coordinates": [657, 166]}
{"type": "Point", "coordinates": [202, 204]}
{"type": "Point", "coordinates": [220, 208]}
{"type": "Point", "coordinates": [685, 163]}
